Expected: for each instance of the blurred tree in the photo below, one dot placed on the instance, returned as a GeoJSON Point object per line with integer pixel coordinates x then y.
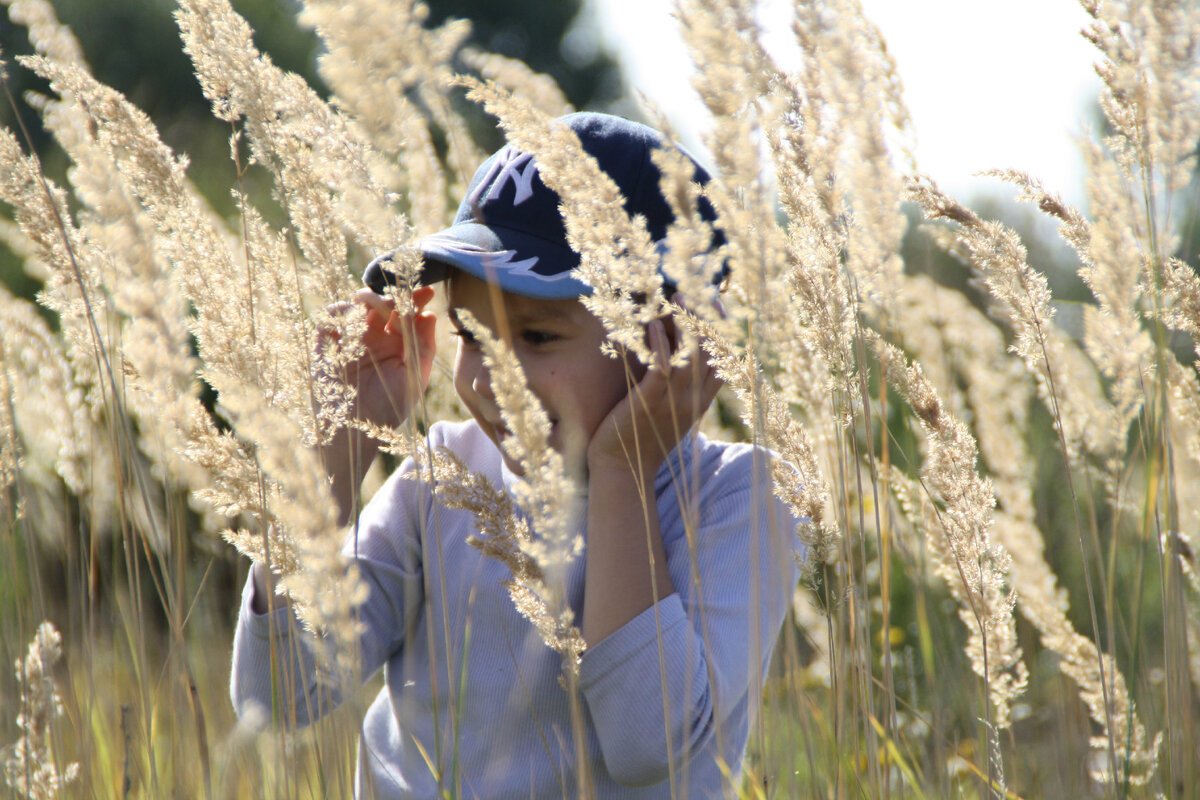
{"type": "Point", "coordinates": [134, 46]}
{"type": "Point", "coordinates": [551, 36]}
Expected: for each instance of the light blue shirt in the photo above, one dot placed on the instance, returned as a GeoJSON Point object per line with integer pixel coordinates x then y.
{"type": "Point", "coordinates": [666, 700]}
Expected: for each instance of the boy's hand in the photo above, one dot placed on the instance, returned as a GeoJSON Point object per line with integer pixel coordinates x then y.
{"type": "Point", "coordinates": [398, 354]}
{"type": "Point", "coordinates": [389, 378]}
{"type": "Point", "coordinates": [624, 456]}
{"type": "Point", "coordinates": [657, 412]}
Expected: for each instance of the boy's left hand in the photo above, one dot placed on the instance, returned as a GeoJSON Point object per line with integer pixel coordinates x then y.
{"type": "Point", "coordinates": [658, 411]}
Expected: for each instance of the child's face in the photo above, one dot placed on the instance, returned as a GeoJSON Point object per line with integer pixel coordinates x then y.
{"type": "Point", "coordinates": [558, 345]}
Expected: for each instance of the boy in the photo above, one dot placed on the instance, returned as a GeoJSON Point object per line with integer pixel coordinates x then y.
{"type": "Point", "coordinates": [679, 598]}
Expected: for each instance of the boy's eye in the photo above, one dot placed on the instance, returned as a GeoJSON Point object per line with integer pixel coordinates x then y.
{"type": "Point", "coordinates": [536, 337]}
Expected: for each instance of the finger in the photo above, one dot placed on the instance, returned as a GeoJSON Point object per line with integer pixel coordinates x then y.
{"type": "Point", "coordinates": [330, 329]}
{"type": "Point", "coordinates": [660, 346]}
{"type": "Point", "coordinates": [383, 306]}
{"type": "Point", "coordinates": [692, 387]}
{"type": "Point", "coordinates": [421, 296]}
{"type": "Point", "coordinates": [693, 384]}
{"type": "Point", "coordinates": [392, 326]}
{"type": "Point", "coordinates": [339, 308]}
{"type": "Point", "coordinates": [712, 385]}
{"type": "Point", "coordinates": [713, 380]}
{"type": "Point", "coordinates": [425, 342]}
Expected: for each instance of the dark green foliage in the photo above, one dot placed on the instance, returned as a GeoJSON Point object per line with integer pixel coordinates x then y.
{"type": "Point", "coordinates": [546, 36]}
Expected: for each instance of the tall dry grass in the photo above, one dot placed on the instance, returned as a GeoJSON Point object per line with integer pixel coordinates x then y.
{"type": "Point", "coordinates": [1001, 593]}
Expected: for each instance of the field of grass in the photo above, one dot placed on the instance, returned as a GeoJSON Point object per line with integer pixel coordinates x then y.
{"type": "Point", "coordinates": [1001, 596]}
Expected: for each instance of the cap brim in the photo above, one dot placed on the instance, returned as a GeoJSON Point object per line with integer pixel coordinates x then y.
{"type": "Point", "coordinates": [516, 262]}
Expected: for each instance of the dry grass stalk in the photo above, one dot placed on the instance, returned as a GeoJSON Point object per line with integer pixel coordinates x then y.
{"type": "Point", "coordinates": [845, 98]}
{"type": "Point", "coordinates": [126, 316]}
{"type": "Point", "coordinates": [193, 247]}
{"type": "Point", "coordinates": [688, 260]}
{"type": "Point", "coordinates": [48, 407]}
{"type": "Point", "coordinates": [1182, 286]}
{"type": "Point", "coordinates": [228, 324]}
{"type": "Point", "coordinates": [996, 251]}
{"type": "Point", "coordinates": [46, 33]}
{"type": "Point", "coordinates": [998, 392]}
{"type": "Point", "coordinates": [1115, 338]}
{"type": "Point", "coordinates": [1044, 604]}
{"type": "Point", "coordinates": [505, 535]}
{"type": "Point", "coordinates": [734, 85]}
{"type": "Point", "coordinates": [797, 477]}
{"type": "Point", "coordinates": [383, 66]}
{"type": "Point", "coordinates": [32, 766]}
{"type": "Point", "coordinates": [1022, 297]}
{"type": "Point", "coordinates": [299, 510]}
{"type": "Point", "coordinates": [545, 491]}
{"type": "Point", "coordinates": [1151, 79]}
{"type": "Point", "coordinates": [325, 171]}
{"type": "Point", "coordinates": [249, 348]}
{"type": "Point", "coordinates": [978, 570]}
{"type": "Point", "coordinates": [247, 326]}
{"type": "Point", "coordinates": [1184, 430]}
{"type": "Point", "coordinates": [12, 460]}
{"type": "Point", "coordinates": [773, 351]}
{"type": "Point", "coordinates": [767, 282]}
{"type": "Point", "coordinates": [147, 306]}
{"type": "Point", "coordinates": [515, 77]}
{"type": "Point", "coordinates": [75, 280]}
{"type": "Point", "coordinates": [144, 244]}
{"type": "Point", "coordinates": [1151, 100]}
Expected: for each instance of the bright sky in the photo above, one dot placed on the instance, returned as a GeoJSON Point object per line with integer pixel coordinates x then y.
{"type": "Point", "coordinates": [988, 85]}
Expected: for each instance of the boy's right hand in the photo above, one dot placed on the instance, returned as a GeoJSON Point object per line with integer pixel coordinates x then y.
{"type": "Point", "coordinates": [388, 378]}
{"type": "Point", "coordinates": [393, 370]}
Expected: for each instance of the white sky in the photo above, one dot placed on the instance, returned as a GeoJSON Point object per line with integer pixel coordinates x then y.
{"type": "Point", "coordinates": [988, 85]}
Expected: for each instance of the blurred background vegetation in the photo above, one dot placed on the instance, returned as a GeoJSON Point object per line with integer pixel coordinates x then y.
{"type": "Point", "coordinates": [134, 46]}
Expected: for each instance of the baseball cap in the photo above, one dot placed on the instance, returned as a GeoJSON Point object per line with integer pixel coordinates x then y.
{"type": "Point", "coordinates": [508, 229]}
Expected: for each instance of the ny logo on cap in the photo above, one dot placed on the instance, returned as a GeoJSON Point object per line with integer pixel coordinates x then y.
{"type": "Point", "coordinates": [509, 165]}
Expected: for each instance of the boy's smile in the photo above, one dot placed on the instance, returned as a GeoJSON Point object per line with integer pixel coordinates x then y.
{"type": "Point", "coordinates": [558, 345]}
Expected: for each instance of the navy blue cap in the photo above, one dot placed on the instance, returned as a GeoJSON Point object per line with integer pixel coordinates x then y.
{"type": "Point", "coordinates": [509, 231]}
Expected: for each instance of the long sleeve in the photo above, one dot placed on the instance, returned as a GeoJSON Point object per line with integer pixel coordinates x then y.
{"type": "Point", "coordinates": [273, 660]}
{"type": "Point", "coordinates": [275, 674]}
{"type": "Point", "coordinates": [681, 681]}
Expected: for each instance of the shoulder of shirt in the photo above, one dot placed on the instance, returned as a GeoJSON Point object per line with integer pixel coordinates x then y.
{"type": "Point", "coordinates": [721, 466]}
{"type": "Point", "coordinates": [405, 487]}
{"type": "Point", "coordinates": [464, 438]}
